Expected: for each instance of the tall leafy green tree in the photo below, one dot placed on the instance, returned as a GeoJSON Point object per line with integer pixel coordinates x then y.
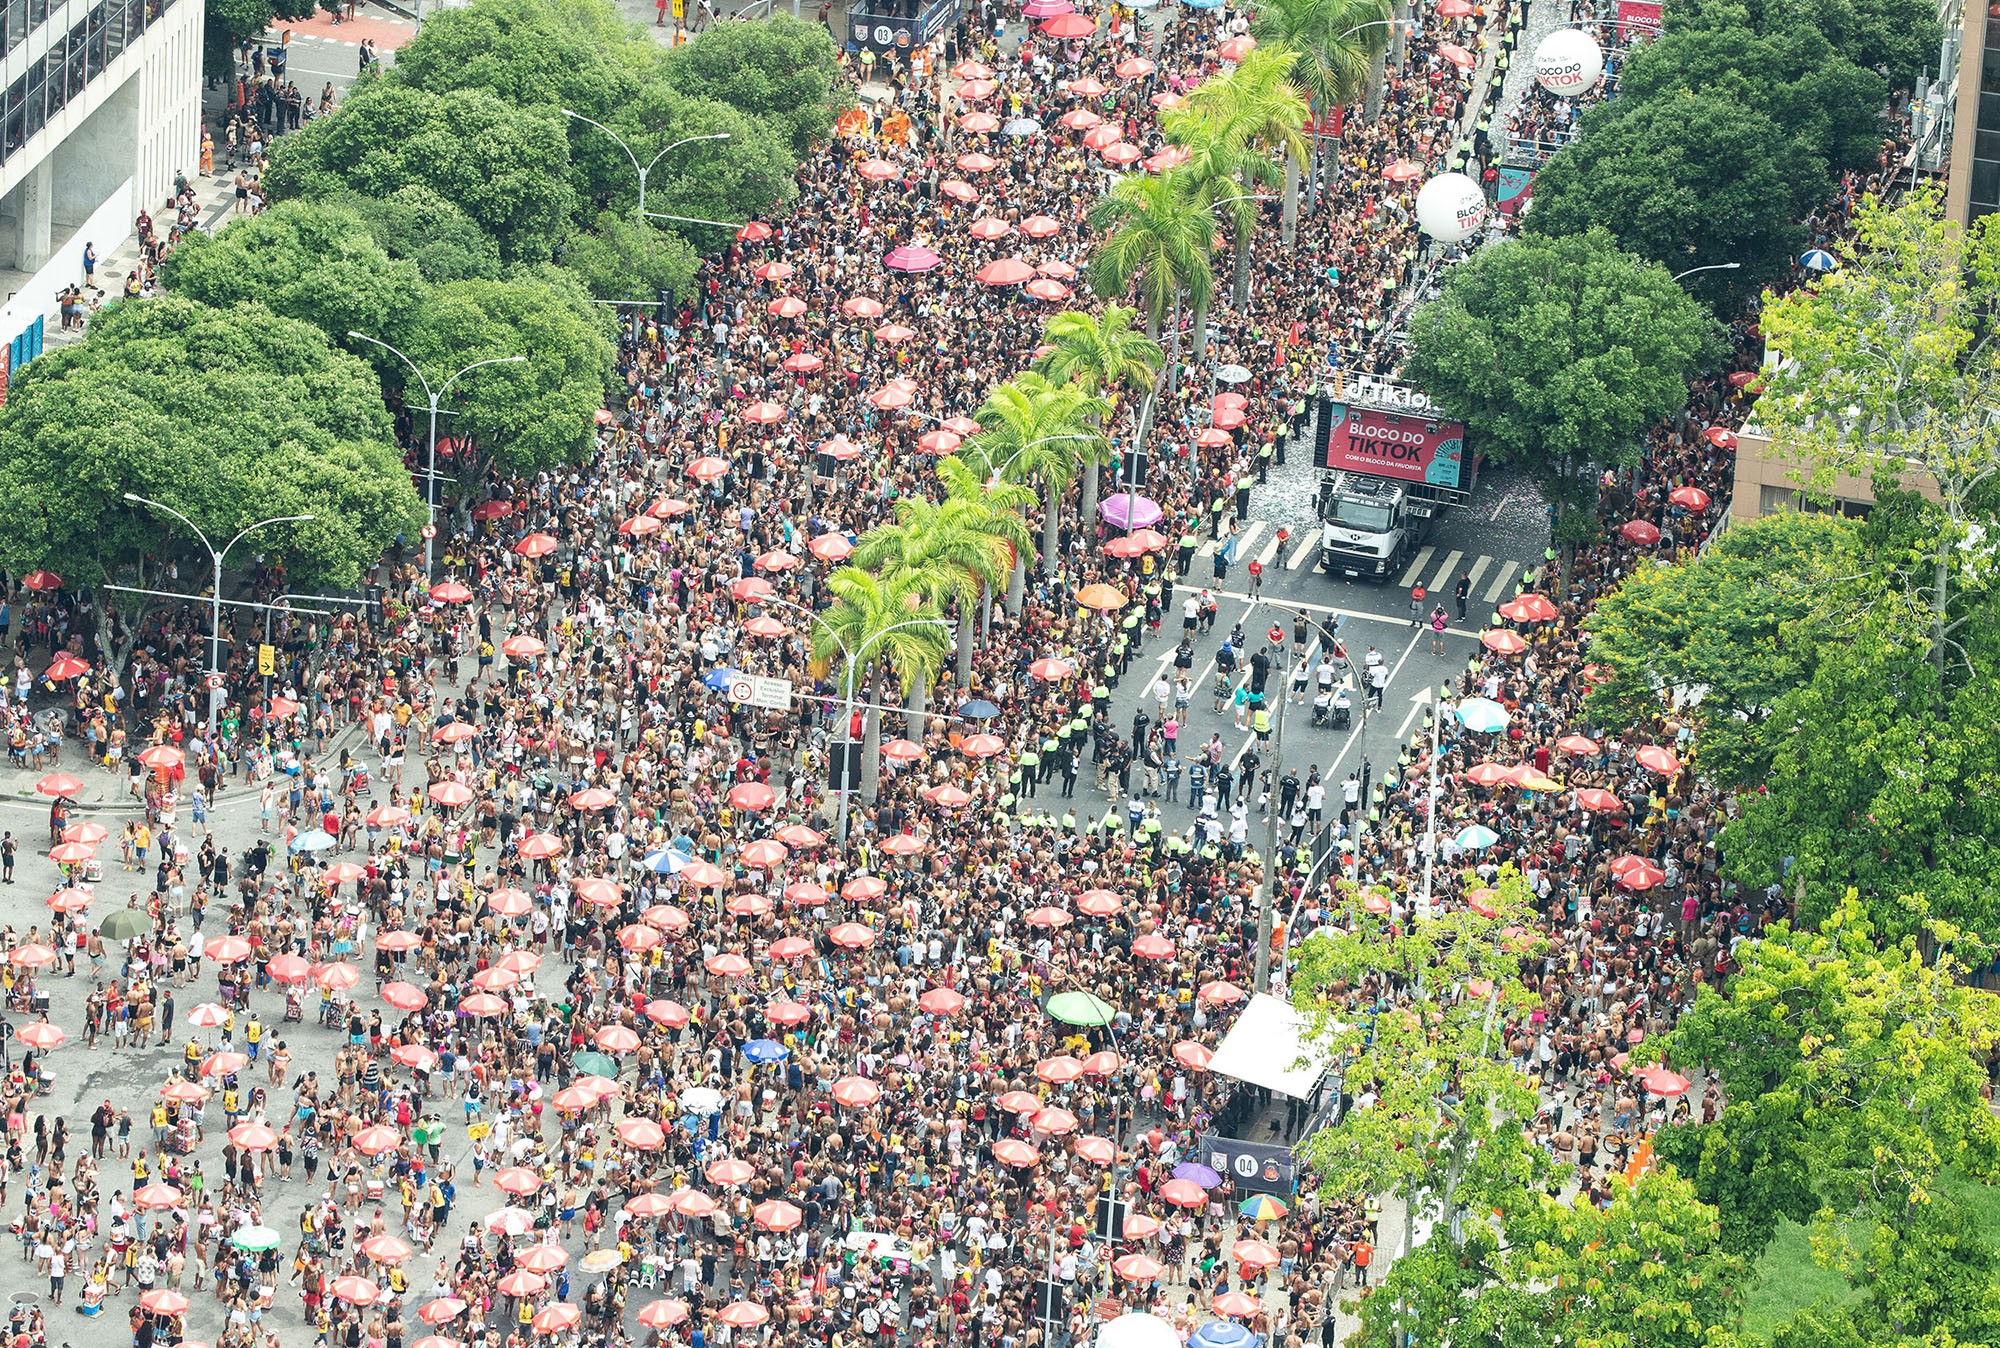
{"type": "Point", "coordinates": [1232, 125]}
{"type": "Point", "coordinates": [1560, 353]}
{"type": "Point", "coordinates": [417, 224]}
{"type": "Point", "coordinates": [505, 166]}
{"type": "Point", "coordinates": [782, 71]}
{"type": "Point", "coordinates": [1445, 1133]}
{"type": "Point", "coordinates": [746, 176]}
{"type": "Point", "coordinates": [1036, 431]}
{"type": "Point", "coordinates": [1870, 1059]}
{"type": "Point", "coordinates": [1892, 363]}
{"type": "Point", "coordinates": [1687, 180]}
{"type": "Point", "coordinates": [1896, 38]}
{"type": "Point", "coordinates": [951, 552]}
{"type": "Point", "coordinates": [1650, 1271]}
{"type": "Point", "coordinates": [1159, 233]}
{"type": "Point", "coordinates": [521, 417]}
{"type": "Point", "coordinates": [306, 261]}
{"type": "Point", "coordinates": [229, 415]}
{"type": "Point", "coordinates": [1832, 108]}
{"type": "Point", "coordinates": [529, 53]}
{"type": "Point", "coordinates": [623, 258]}
{"type": "Point", "coordinates": [1742, 623]}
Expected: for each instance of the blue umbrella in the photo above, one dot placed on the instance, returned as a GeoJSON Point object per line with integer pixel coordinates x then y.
{"type": "Point", "coordinates": [1203, 4]}
{"type": "Point", "coordinates": [313, 840]}
{"type": "Point", "coordinates": [979, 709]}
{"type": "Point", "coordinates": [1199, 1173]}
{"type": "Point", "coordinates": [1817, 259]}
{"type": "Point", "coordinates": [718, 679]}
{"type": "Point", "coordinates": [762, 1051]}
{"type": "Point", "coordinates": [1223, 1334]}
{"type": "Point", "coordinates": [1483, 715]}
{"type": "Point", "coordinates": [666, 861]}
{"type": "Point", "coordinates": [1473, 837]}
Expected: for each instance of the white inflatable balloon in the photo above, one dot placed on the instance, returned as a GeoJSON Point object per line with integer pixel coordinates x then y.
{"type": "Point", "coordinates": [1568, 62]}
{"type": "Point", "coordinates": [1451, 208]}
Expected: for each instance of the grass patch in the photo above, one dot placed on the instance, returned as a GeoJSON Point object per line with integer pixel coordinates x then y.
{"type": "Point", "coordinates": [1785, 1279]}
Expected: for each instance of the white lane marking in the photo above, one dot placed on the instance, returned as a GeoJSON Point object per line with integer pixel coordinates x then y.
{"type": "Point", "coordinates": [1424, 555]}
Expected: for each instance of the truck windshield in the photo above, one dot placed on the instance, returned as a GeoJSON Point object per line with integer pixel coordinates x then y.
{"type": "Point", "coordinates": [1350, 513]}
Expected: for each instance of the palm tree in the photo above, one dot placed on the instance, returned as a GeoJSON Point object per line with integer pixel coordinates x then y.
{"type": "Point", "coordinates": [1159, 235]}
{"type": "Point", "coordinates": [1336, 43]}
{"type": "Point", "coordinates": [1099, 354]}
{"type": "Point", "coordinates": [1033, 429]}
{"type": "Point", "coordinates": [995, 509]}
{"type": "Point", "coordinates": [955, 552]}
{"type": "Point", "coordinates": [887, 625]}
{"type": "Point", "coordinates": [1231, 123]}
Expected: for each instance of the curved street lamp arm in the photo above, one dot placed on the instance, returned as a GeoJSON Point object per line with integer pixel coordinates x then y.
{"type": "Point", "coordinates": [377, 341]}
{"type": "Point", "coordinates": [609, 132]}
{"type": "Point", "coordinates": [497, 360]}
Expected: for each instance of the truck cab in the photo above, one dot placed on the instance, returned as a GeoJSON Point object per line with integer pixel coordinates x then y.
{"type": "Point", "coordinates": [1368, 528]}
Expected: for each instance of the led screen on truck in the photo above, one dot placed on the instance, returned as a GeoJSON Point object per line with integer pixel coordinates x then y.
{"type": "Point", "coordinates": [1404, 446]}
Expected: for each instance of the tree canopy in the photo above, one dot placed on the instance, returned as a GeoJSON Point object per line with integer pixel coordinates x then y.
{"type": "Point", "coordinates": [1896, 38]}
{"type": "Point", "coordinates": [1734, 624]}
{"type": "Point", "coordinates": [1831, 108]}
{"type": "Point", "coordinates": [505, 165]}
{"type": "Point", "coordinates": [783, 71]}
{"type": "Point", "coordinates": [528, 53]}
{"type": "Point", "coordinates": [1864, 1063]}
{"type": "Point", "coordinates": [744, 177]}
{"type": "Point", "coordinates": [416, 223]}
{"type": "Point", "coordinates": [1686, 179]}
{"type": "Point", "coordinates": [302, 260]}
{"type": "Point", "coordinates": [623, 259]}
{"type": "Point", "coordinates": [1559, 352]}
{"type": "Point", "coordinates": [230, 415]}
{"type": "Point", "coordinates": [527, 416]}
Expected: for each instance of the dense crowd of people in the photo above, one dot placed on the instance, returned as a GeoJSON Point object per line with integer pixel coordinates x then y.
{"type": "Point", "coordinates": [580, 928]}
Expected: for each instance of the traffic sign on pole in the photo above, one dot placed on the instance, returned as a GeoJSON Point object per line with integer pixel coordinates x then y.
{"type": "Point", "coordinates": [756, 690]}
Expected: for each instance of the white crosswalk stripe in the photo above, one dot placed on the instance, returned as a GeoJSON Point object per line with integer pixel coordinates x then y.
{"type": "Point", "coordinates": [1244, 539]}
{"type": "Point", "coordinates": [1306, 553]}
{"type": "Point", "coordinates": [1473, 574]}
{"type": "Point", "coordinates": [1445, 573]}
{"type": "Point", "coordinates": [1502, 579]}
{"type": "Point", "coordinates": [1424, 555]}
{"type": "Point", "coordinates": [1269, 553]}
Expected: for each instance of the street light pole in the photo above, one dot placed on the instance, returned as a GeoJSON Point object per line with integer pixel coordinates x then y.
{"type": "Point", "coordinates": [435, 395]}
{"type": "Point", "coordinates": [1713, 266]}
{"type": "Point", "coordinates": [215, 598]}
{"type": "Point", "coordinates": [645, 169]}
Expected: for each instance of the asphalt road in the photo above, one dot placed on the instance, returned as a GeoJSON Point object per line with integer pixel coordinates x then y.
{"type": "Point", "coordinates": [1495, 540]}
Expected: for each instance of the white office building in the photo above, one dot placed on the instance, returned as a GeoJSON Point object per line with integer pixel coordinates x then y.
{"type": "Point", "coordinates": [102, 107]}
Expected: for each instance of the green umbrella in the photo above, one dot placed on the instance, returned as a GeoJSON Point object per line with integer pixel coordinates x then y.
{"type": "Point", "coordinates": [124, 924]}
{"type": "Point", "coordinates": [596, 1064]}
{"type": "Point", "coordinates": [1081, 1008]}
{"type": "Point", "coordinates": [256, 1239]}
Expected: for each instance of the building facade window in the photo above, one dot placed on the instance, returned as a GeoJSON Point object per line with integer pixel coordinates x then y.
{"type": "Point", "coordinates": [71, 62]}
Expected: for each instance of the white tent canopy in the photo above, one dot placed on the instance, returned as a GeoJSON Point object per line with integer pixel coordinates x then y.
{"type": "Point", "coordinates": [1269, 1047]}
